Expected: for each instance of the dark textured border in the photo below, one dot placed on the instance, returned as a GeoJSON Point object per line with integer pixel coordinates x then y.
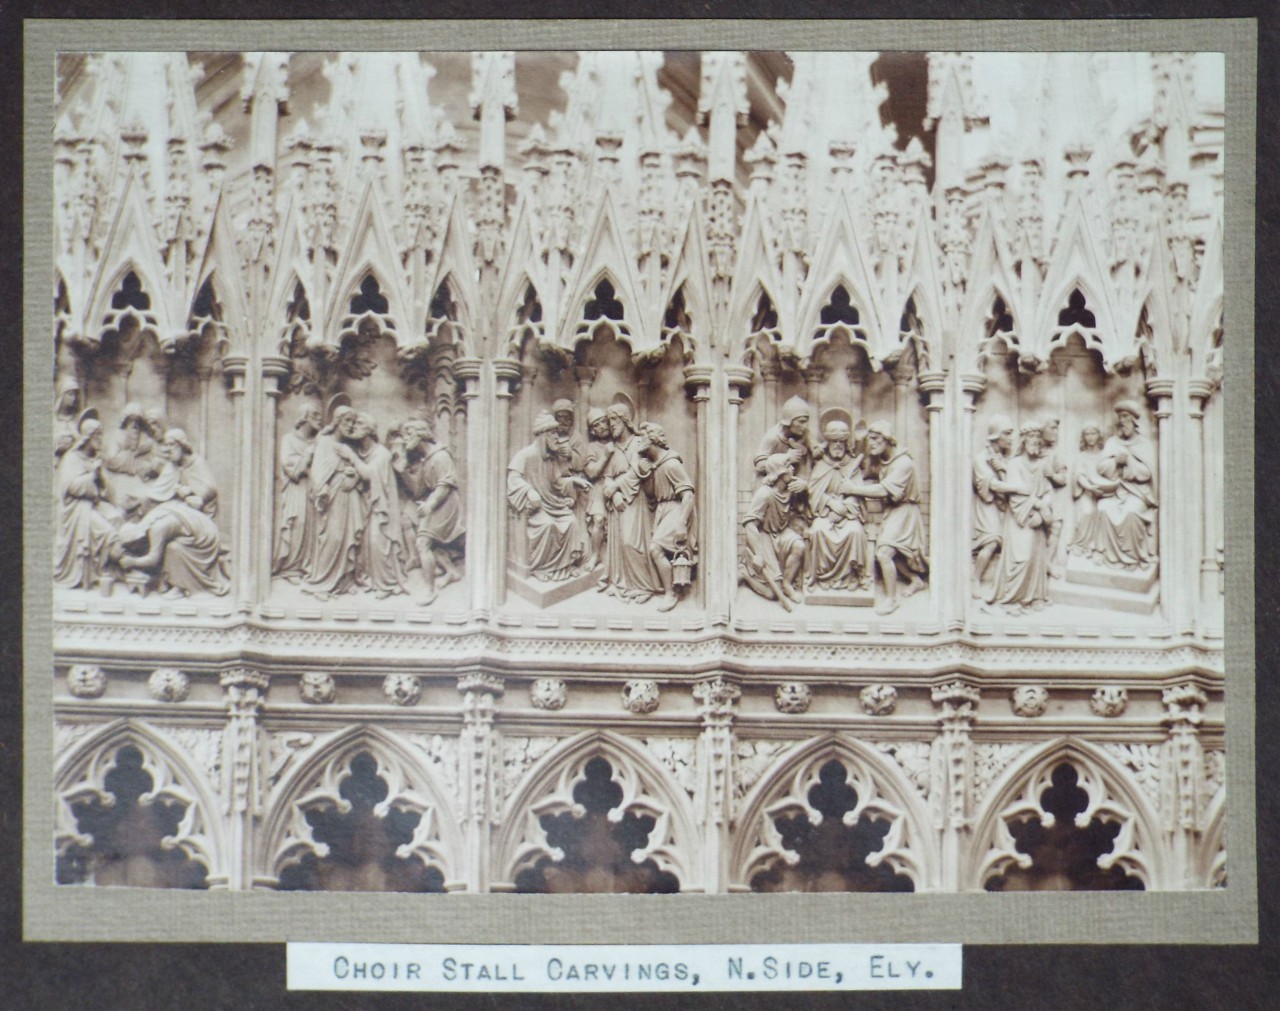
{"type": "Point", "coordinates": [1221, 917]}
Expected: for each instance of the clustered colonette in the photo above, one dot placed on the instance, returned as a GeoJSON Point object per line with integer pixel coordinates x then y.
{"type": "Point", "coordinates": [618, 471]}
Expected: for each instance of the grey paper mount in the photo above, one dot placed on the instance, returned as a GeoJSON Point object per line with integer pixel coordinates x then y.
{"type": "Point", "coordinates": [490, 457]}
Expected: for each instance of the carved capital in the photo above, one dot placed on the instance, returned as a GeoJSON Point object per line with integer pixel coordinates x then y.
{"type": "Point", "coordinates": [740, 379]}
{"type": "Point", "coordinates": [275, 370]}
{"type": "Point", "coordinates": [697, 381]}
{"type": "Point", "coordinates": [467, 372]}
{"type": "Point", "coordinates": [1161, 391]}
{"type": "Point", "coordinates": [508, 372]}
{"type": "Point", "coordinates": [234, 368]}
{"type": "Point", "coordinates": [971, 385]}
{"type": "Point", "coordinates": [958, 702]}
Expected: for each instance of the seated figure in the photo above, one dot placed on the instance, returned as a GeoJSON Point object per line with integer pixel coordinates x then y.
{"type": "Point", "coordinates": [175, 541]}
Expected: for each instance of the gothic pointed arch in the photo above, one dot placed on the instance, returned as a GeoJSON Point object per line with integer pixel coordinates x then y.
{"type": "Point", "coordinates": [1077, 264]}
{"type": "Point", "coordinates": [184, 804]}
{"type": "Point", "coordinates": [840, 261]}
{"type": "Point", "coordinates": [756, 274]}
{"type": "Point", "coordinates": [1206, 309]}
{"type": "Point", "coordinates": [1113, 805]}
{"type": "Point", "coordinates": [880, 793]}
{"type": "Point", "coordinates": [688, 278]}
{"type": "Point", "coordinates": [453, 265]}
{"type": "Point", "coordinates": [369, 250]}
{"type": "Point", "coordinates": [221, 261]}
{"type": "Point", "coordinates": [924, 287]}
{"type": "Point", "coordinates": [419, 815]}
{"type": "Point", "coordinates": [290, 269]}
{"type": "Point", "coordinates": [522, 270]}
{"type": "Point", "coordinates": [605, 254]}
{"type": "Point", "coordinates": [644, 789]}
{"type": "Point", "coordinates": [131, 247]}
{"type": "Point", "coordinates": [995, 278]}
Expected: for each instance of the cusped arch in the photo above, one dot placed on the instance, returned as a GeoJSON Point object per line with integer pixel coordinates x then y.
{"type": "Point", "coordinates": [579, 330]}
{"type": "Point", "coordinates": [909, 846]}
{"type": "Point", "coordinates": [863, 333]}
{"type": "Point", "coordinates": [1113, 796]}
{"type": "Point", "coordinates": [674, 842]}
{"type": "Point", "coordinates": [412, 785]}
{"type": "Point", "coordinates": [101, 316]}
{"type": "Point", "coordinates": [80, 774]}
{"type": "Point", "coordinates": [460, 329]}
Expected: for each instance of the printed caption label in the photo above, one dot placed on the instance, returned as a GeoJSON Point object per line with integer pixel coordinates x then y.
{"type": "Point", "coordinates": [622, 968]}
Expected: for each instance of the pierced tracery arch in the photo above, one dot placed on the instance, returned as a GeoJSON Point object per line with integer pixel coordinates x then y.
{"type": "Point", "coordinates": [809, 783]}
{"type": "Point", "coordinates": [399, 805]}
{"type": "Point", "coordinates": [1101, 801]}
{"type": "Point", "coordinates": [641, 790]}
{"type": "Point", "coordinates": [132, 811]}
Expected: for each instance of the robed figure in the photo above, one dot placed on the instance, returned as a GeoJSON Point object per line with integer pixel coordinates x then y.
{"type": "Point", "coordinates": [628, 568]}
{"type": "Point", "coordinates": [86, 522]}
{"type": "Point", "coordinates": [674, 540]}
{"type": "Point", "coordinates": [296, 522]}
{"type": "Point", "coordinates": [774, 550]}
{"type": "Point", "coordinates": [541, 489]}
{"type": "Point", "coordinates": [1022, 575]}
{"type": "Point", "coordinates": [838, 550]}
{"type": "Point", "coordinates": [339, 482]}
{"type": "Point", "coordinates": [384, 555]}
{"type": "Point", "coordinates": [1120, 530]}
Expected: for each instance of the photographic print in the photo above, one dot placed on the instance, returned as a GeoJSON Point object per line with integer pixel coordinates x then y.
{"type": "Point", "coordinates": [636, 472]}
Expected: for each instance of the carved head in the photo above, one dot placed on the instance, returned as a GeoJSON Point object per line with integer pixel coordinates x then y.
{"type": "Point", "coordinates": [1091, 436]}
{"type": "Point", "coordinates": [653, 434]}
{"type": "Point", "coordinates": [1049, 431]}
{"type": "Point", "coordinates": [795, 417]}
{"type": "Point", "coordinates": [90, 435]}
{"type": "Point", "coordinates": [1000, 433]}
{"type": "Point", "coordinates": [310, 418]}
{"type": "Point", "coordinates": [1127, 414]}
{"type": "Point", "coordinates": [837, 434]}
{"type": "Point", "coordinates": [620, 420]}
{"type": "Point", "coordinates": [598, 424]}
{"type": "Point", "coordinates": [563, 412]}
{"type": "Point", "coordinates": [880, 438]}
{"type": "Point", "coordinates": [176, 445]}
{"type": "Point", "coordinates": [777, 468]}
{"type": "Point", "coordinates": [1032, 439]}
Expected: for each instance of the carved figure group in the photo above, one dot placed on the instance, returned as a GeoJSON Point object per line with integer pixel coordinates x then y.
{"type": "Point", "coordinates": [622, 504]}
{"type": "Point", "coordinates": [1018, 522]}
{"type": "Point", "coordinates": [140, 512]}
{"type": "Point", "coordinates": [357, 513]}
{"type": "Point", "coordinates": [1114, 490]}
{"type": "Point", "coordinates": [807, 522]}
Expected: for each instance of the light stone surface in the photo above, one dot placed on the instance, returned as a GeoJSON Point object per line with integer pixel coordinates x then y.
{"type": "Point", "coordinates": [424, 386]}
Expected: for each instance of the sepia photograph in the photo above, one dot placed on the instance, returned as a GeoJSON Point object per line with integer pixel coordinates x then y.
{"type": "Point", "coordinates": [675, 472]}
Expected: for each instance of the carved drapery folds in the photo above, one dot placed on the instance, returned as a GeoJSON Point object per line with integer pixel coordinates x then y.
{"type": "Point", "coordinates": [823, 462]}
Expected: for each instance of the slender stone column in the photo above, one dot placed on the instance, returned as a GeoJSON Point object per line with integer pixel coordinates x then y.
{"type": "Point", "coordinates": [244, 778]}
{"type": "Point", "coordinates": [971, 386]}
{"type": "Point", "coordinates": [903, 373]}
{"type": "Point", "coordinates": [1171, 503]}
{"type": "Point", "coordinates": [478, 493]}
{"type": "Point", "coordinates": [1201, 450]}
{"type": "Point", "coordinates": [506, 373]}
{"type": "Point", "coordinates": [243, 558]}
{"type": "Point", "coordinates": [724, 525]}
{"type": "Point", "coordinates": [479, 768]}
{"type": "Point", "coordinates": [1182, 781]}
{"type": "Point", "coordinates": [941, 561]}
{"type": "Point", "coordinates": [275, 370]}
{"type": "Point", "coordinates": [717, 700]}
{"type": "Point", "coordinates": [950, 791]}
{"type": "Point", "coordinates": [712, 474]}
{"type": "Point", "coordinates": [770, 373]}
{"type": "Point", "coordinates": [857, 374]}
